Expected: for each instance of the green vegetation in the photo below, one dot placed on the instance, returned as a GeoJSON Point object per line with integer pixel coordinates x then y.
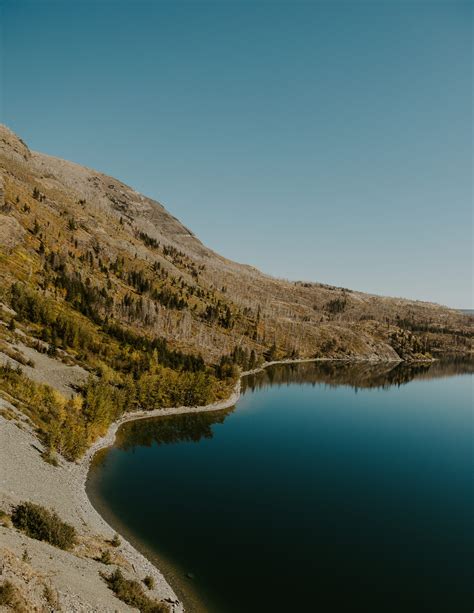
{"type": "Point", "coordinates": [39, 523]}
{"type": "Point", "coordinates": [240, 357]}
{"type": "Point", "coordinates": [149, 582]}
{"type": "Point", "coordinates": [132, 593]}
{"type": "Point", "coordinates": [54, 326]}
{"type": "Point", "coordinates": [131, 371]}
{"type": "Point", "coordinates": [102, 293]}
{"type": "Point", "coordinates": [60, 421]}
{"type": "Point", "coordinates": [148, 240]}
{"type": "Point", "coordinates": [338, 305]}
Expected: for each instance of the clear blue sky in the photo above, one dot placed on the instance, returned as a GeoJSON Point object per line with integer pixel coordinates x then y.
{"type": "Point", "coordinates": [326, 141]}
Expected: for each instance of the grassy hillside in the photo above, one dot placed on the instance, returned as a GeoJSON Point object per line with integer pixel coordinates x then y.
{"type": "Point", "coordinates": [97, 276]}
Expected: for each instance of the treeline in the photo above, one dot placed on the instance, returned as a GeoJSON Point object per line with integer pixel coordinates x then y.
{"type": "Point", "coordinates": [56, 328]}
{"type": "Point", "coordinates": [181, 260]}
{"type": "Point", "coordinates": [62, 328]}
{"type": "Point", "coordinates": [420, 326]}
{"type": "Point", "coordinates": [166, 356]}
{"type": "Point", "coordinates": [335, 306]}
{"type": "Point", "coordinates": [84, 297]}
{"type": "Point", "coordinates": [169, 299]}
{"type": "Point", "coordinates": [94, 303]}
{"type": "Point", "coordinates": [60, 422]}
{"type": "Point", "coordinates": [148, 240]}
{"type": "Point", "coordinates": [157, 286]}
{"type": "Point", "coordinates": [218, 313]}
{"type": "Point", "coordinates": [228, 366]}
{"type": "Point", "coordinates": [69, 425]}
{"type": "Point", "coordinates": [131, 371]}
{"type": "Point", "coordinates": [407, 344]}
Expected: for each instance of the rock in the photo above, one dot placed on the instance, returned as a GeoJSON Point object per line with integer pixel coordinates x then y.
{"type": "Point", "coordinates": [11, 232]}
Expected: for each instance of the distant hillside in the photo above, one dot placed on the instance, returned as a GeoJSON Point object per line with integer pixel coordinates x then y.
{"type": "Point", "coordinates": [97, 279]}
{"type": "Point", "coordinates": [141, 267]}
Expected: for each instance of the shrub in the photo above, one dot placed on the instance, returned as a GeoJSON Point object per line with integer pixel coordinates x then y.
{"type": "Point", "coordinates": [51, 597]}
{"type": "Point", "coordinates": [131, 592]}
{"type": "Point", "coordinates": [49, 456]}
{"type": "Point", "coordinates": [10, 597]}
{"type": "Point", "coordinates": [115, 542]}
{"type": "Point", "coordinates": [43, 525]}
{"type": "Point", "coordinates": [338, 305]}
{"type": "Point", "coordinates": [149, 582]}
{"type": "Point", "coordinates": [105, 557]}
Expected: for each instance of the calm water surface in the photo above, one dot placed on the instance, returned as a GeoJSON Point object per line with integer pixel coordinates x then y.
{"type": "Point", "coordinates": [329, 487]}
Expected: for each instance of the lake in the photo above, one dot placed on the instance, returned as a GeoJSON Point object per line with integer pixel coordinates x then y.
{"type": "Point", "coordinates": [329, 487]}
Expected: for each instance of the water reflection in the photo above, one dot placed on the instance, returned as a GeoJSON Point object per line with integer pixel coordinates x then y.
{"type": "Point", "coordinates": [189, 427]}
{"type": "Point", "coordinates": [355, 374]}
{"type": "Point", "coordinates": [193, 427]}
{"type": "Point", "coordinates": [360, 501]}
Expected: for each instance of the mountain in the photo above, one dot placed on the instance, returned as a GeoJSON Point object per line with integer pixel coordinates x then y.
{"type": "Point", "coordinates": [144, 269]}
{"type": "Point", "coordinates": [109, 299]}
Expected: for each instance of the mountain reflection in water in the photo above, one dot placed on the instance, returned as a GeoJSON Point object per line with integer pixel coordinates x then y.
{"type": "Point", "coordinates": [331, 486]}
{"type": "Point", "coordinates": [193, 427]}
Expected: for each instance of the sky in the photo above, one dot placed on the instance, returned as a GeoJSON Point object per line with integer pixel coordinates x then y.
{"type": "Point", "coordinates": [324, 141]}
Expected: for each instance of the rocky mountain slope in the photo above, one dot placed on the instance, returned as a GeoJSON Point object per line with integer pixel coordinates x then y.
{"type": "Point", "coordinates": [142, 268]}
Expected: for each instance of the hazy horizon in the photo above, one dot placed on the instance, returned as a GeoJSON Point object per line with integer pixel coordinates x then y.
{"type": "Point", "coordinates": [323, 142]}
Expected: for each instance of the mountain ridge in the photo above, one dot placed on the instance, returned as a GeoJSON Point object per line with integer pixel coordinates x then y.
{"type": "Point", "coordinates": [300, 318]}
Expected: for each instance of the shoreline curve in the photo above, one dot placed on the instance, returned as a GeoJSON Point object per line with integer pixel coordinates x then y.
{"type": "Point", "coordinates": [80, 469]}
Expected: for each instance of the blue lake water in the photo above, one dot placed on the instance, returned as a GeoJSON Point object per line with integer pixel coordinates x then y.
{"type": "Point", "coordinates": [329, 487]}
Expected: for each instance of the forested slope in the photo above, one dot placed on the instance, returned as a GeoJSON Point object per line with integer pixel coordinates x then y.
{"type": "Point", "coordinates": [96, 275]}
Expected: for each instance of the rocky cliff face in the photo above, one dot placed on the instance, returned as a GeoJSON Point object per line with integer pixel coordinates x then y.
{"type": "Point", "coordinates": [64, 225]}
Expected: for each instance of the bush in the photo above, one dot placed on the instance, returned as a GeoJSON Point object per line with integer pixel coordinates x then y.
{"type": "Point", "coordinates": [115, 542]}
{"type": "Point", "coordinates": [149, 582]}
{"type": "Point", "coordinates": [7, 593]}
{"type": "Point", "coordinates": [11, 597]}
{"type": "Point", "coordinates": [338, 305]}
{"type": "Point", "coordinates": [51, 597]}
{"type": "Point", "coordinates": [131, 592]}
{"type": "Point", "coordinates": [105, 557]}
{"type": "Point", "coordinates": [49, 456]}
{"type": "Point", "coordinates": [43, 525]}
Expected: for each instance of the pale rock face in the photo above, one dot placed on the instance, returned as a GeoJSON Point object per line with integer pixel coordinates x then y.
{"type": "Point", "coordinates": [11, 232]}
